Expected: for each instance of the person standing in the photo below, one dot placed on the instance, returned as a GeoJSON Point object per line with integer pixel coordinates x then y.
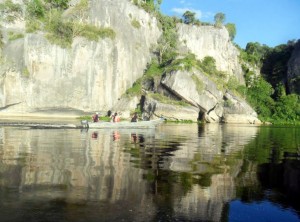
{"type": "Point", "coordinates": [134, 117]}
{"type": "Point", "coordinates": [95, 117]}
{"type": "Point", "coordinates": [115, 117]}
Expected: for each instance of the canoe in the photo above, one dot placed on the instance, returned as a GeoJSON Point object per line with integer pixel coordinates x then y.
{"type": "Point", "coordinates": [122, 124]}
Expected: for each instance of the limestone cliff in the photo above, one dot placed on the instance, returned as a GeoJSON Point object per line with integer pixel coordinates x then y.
{"type": "Point", "coordinates": [38, 77]}
{"type": "Point", "coordinates": [214, 42]}
{"type": "Point", "coordinates": [88, 76]}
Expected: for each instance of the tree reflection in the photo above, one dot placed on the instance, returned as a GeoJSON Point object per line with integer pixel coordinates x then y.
{"type": "Point", "coordinates": [272, 160]}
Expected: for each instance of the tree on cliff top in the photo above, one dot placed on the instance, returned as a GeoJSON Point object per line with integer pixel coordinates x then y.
{"type": "Point", "coordinates": [189, 17]}
{"type": "Point", "coordinates": [219, 19]}
{"type": "Point", "coordinates": [231, 30]}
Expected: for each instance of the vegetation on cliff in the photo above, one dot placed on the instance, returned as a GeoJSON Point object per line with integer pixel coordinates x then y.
{"type": "Point", "coordinates": [54, 17]}
{"type": "Point", "coordinates": [267, 93]}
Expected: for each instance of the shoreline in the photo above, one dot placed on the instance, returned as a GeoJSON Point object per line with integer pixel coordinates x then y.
{"type": "Point", "coordinates": [42, 121]}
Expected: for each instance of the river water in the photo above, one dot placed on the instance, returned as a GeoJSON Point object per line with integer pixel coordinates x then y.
{"type": "Point", "coordinates": [177, 172]}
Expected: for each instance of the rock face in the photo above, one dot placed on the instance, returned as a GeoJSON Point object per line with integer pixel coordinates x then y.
{"type": "Point", "coordinates": [37, 77]}
{"type": "Point", "coordinates": [237, 110]}
{"type": "Point", "coordinates": [214, 42]}
{"type": "Point", "coordinates": [154, 109]}
{"type": "Point", "coordinates": [294, 70]}
{"type": "Point", "coordinates": [86, 77]}
{"type": "Point", "coordinates": [211, 103]}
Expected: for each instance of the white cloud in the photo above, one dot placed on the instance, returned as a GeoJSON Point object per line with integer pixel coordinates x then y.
{"type": "Point", "coordinates": [208, 15]}
{"type": "Point", "coordinates": [181, 11]}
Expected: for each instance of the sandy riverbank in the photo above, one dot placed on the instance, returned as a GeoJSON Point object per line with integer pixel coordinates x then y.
{"type": "Point", "coordinates": [39, 118]}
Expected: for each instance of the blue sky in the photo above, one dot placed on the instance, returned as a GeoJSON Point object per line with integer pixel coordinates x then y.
{"type": "Point", "coordinates": [270, 22]}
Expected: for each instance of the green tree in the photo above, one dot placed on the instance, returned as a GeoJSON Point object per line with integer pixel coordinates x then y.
{"type": "Point", "coordinates": [259, 96]}
{"type": "Point", "coordinates": [288, 108]}
{"type": "Point", "coordinates": [231, 30]}
{"type": "Point", "coordinates": [59, 31]}
{"type": "Point", "coordinates": [167, 43]}
{"type": "Point", "coordinates": [279, 91]}
{"type": "Point", "coordinates": [219, 19]}
{"type": "Point", "coordinates": [189, 17]}
{"type": "Point", "coordinates": [255, 53]}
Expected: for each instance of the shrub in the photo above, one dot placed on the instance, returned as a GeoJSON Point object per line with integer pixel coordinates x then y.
{"type": "Point", "coordinates": [136, 89]}
{"type": "Point", "coordinates": [136, 24]}
{"type": "Point", "coordinates": [1, 40]}
{"type": "Point", "coordinates": [208, 64]}
{"type": "Point", "coordinates": [199, 84]}
{"type": "Point", "coordinates": [35, 9]}
{"type": "Point", "coordinates": [13, 36]}
{"type": "Point", "coordinates": [59, 31]}
{"type": "Point", "coordinates": [33, 25]}
{"type": "Point", "coordinates": [25, 72]}
{"type": "Point", "coordinates": [287, 108]}
{"type": "Point", "coordinates": [58, 4]}
{"type": "Point", "coordinates": [91, 32]}
{"type": "Point", "coordinates": [186, 63]}
{"type": "Point", "coordinates": [79, 10]}
{"type": "Point", "coordinates": [8, 6]}
{"type": "Point", "coordinates": [259, 96]}
{"type": "Point", "coordinates": [232, 83]}
{"type": "Point", "coordinates": [10, 11]}
{"type": "Point", "coordinates": [153, 69]}
{"type": "Point", "coordinates": [231, 30]}
{"type": "Point", "coordinates": [163, 99]}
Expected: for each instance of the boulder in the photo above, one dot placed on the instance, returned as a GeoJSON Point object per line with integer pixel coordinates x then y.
{"type": "Point", "coordinates": [236, 110]}
{"type": "Point", "coordinates": [155, 109]}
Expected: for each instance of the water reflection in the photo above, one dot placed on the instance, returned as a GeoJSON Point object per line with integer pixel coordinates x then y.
{"type": "Point", "coordinates": [176, 172]}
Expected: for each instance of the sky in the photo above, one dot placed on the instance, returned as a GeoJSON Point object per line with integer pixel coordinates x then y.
{"type": "Point", "coordinates": [269, 22]}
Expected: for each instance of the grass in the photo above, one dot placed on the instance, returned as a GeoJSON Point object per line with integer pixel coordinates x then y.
{"type": "Point", "coordinates": [136, 89]}
{"type": "Point", "coordinates": [199, 84]}
{"type": "Point", "coordinates": [92, 32]}
{"type": "Point", "coordinates": [136, 24]}
{"type": "Point", "coordinates": [25, 72]}
{"type": "Point", "coordinates": [167, 100]}
{"type": "Point", "coordinates": [89, 118]}
{"type": "Point", "coordinates": [14, 36]}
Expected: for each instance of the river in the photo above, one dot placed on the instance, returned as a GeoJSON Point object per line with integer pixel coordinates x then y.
{"type": "Point", "coordinates": [177, 172]}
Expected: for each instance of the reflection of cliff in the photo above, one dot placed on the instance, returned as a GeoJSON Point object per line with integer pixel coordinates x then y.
{"type": "Point", "coordinates": [70, 164]}
{"type": "Point", "coordinates": [202, 169]}
{"type": "Point", "coordinates": [174, 172]}
{"type": "Point", "coordinates": [206, 204]}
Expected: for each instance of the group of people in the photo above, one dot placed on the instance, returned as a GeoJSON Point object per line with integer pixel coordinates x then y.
{"type": "Point", "coordinates": [114, 117]}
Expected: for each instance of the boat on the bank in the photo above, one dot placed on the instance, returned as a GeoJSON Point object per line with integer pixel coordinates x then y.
{"type": "Point", "coordinates": [122, 124]}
